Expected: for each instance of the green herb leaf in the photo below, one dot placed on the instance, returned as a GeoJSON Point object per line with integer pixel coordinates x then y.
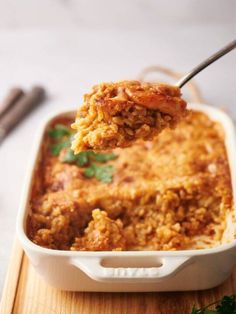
{"type": "Point", "coordinates": [226, 305]}
{"type": "Point", "coordinates": [56, 148]}
{"type": "Point", "coordinates": [102, 173]}
{"type": "Point", "coordinates": [62, 139]}
{"type": "Point", "coordinates": [69, 157]}
{"type": "Point", "coordinates": [89, 172]}
{"type": "Point", "coordinates": [59, 131]}
{"type": "Point", "coordinates": [194, 310]}
{"type": "Point", "coordinates": [82, 159]}
{"type": "Point", "coordinates": [103, 157]}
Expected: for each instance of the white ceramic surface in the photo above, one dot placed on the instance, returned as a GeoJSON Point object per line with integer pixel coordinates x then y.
{"type": "Point", "coordinates": [132, 271]}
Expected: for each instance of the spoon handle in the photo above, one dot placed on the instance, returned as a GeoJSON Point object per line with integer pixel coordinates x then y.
{"type": "Point", "coordinates": [204, 64]}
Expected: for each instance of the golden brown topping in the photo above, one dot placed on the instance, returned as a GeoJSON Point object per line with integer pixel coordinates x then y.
{"type": "Point", "coordinates": [169, 194]}
{"type": "Point", "coordinates": [102, 234]}
{"type": "Point", "coordinates": [117, 114]}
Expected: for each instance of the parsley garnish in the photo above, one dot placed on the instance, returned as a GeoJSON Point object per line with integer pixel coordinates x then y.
{"type": "Point", "coordinates": [101, 173]}
{"type": "Point", "coordinates": [90, 171]}
{"type": "Point", "coordinates": [61, 136]}
{"type": "Point", "coordinates": [102, 157]}
{"type": "Point", "coordinates": [227, 305]}
{"type": "Point", "coordinates": [56, 148]}
{"type": "Point", "coordinates": [104, 173]}
{"type": "Point", "coordinates": [59, 131]}
{"type": "Point", "coordinates": [84, 158]}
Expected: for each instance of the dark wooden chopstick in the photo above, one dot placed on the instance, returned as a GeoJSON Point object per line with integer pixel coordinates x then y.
{"type": "Point", "coordinates": [12, 97]}
{"type": "Point", "coordinates": [20, 109]}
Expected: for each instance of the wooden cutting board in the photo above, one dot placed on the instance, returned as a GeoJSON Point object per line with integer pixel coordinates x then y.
{"type": "Point", "coordinates": [26, 293]}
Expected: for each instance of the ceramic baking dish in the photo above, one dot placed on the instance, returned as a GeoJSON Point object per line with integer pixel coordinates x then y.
{"type": "Point", "coordinates": [132, 271]}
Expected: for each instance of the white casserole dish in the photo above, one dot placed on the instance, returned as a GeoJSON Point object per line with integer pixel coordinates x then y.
{"type": "Point", "coordinates": [132, 271]}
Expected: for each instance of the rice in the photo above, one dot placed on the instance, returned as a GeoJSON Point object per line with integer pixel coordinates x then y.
{"type": "Point", "coordinates": [117, 114]}
{"type": "Point", "coordinates": [171, 193]}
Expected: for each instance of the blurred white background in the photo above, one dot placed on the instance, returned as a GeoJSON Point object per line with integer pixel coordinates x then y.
{"type": "Point", "coordinates": [67, 45]}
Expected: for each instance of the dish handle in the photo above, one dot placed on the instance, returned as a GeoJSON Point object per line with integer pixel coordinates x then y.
{"type": "Point", "coordinates": [94, 268]}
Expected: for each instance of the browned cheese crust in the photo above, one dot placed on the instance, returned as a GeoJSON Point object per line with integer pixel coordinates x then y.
{"type": "Point", "coordinates": [169, 194]}
{"type": "Point", "coordinates": [117, 114]}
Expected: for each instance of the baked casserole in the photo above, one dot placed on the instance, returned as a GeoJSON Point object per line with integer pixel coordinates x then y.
{"type": "Point", "coordinates": [171, 193]}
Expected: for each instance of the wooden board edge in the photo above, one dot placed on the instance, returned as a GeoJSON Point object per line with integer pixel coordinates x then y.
{"type": "Point", "coordinates": [12, 279]}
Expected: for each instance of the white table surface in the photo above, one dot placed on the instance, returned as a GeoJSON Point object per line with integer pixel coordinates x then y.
{"type": "Point", "coordinates": [67, 48]}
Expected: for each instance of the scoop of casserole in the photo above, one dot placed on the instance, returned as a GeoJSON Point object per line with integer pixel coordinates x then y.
{"type": "Point", "coordinates": [117, 114]}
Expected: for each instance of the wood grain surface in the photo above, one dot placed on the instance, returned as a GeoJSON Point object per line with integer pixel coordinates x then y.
{"type": "Point", "coordinates": [26, 293]}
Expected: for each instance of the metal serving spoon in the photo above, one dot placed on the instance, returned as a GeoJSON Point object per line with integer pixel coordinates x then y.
{"type": "Point", "coordinates": [204, 64]}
